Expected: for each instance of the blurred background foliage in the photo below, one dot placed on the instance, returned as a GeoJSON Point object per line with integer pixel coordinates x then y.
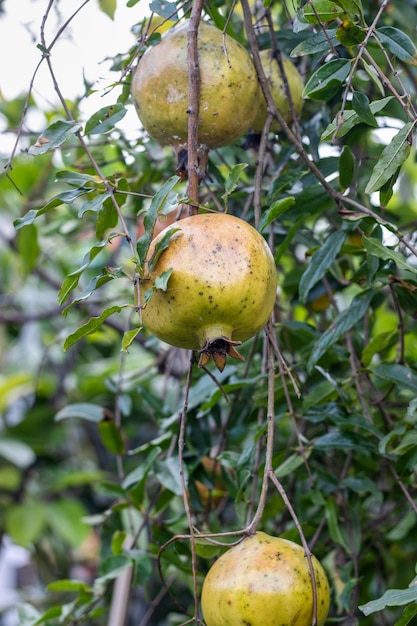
{"type": "Point", "coordinates": [89, 460]}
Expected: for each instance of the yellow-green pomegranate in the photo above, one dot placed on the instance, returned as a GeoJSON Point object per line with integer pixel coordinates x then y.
{"type": "Point", "coordinates": [229, 93]}
{"type": "Point", "coordinates": [264, 581]}
{"type": "Point", "coordinates": [221, 289]}
{"type": "Point", "coordinates": [278, 92]}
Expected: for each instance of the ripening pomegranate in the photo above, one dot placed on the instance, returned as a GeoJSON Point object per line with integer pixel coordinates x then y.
{"type": "Point", "coordinates": [264, 581]}
{"type": "Point", "coordinates": [221, 289]}
{"type": "Point", "coordinates": [278, 92]}
{"type": "Point", "coordinates": [228, 98]}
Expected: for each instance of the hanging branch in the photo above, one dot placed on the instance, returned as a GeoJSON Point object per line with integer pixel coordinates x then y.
{"type": "Point", "coordinates": [193, 104]}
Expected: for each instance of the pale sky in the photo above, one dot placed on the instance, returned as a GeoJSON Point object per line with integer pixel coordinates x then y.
{"type": "Point", "coordinates": [83, 47]}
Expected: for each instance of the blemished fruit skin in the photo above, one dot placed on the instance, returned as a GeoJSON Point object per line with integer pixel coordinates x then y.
{"type": "Point", "coordinates": [229, 94]}
{"type": "Point", "coordinates": [221, 290]}
{"type": "Point", "coordinates": [278, 92]}
{"type": "Point", "coordinates": [264, 581]}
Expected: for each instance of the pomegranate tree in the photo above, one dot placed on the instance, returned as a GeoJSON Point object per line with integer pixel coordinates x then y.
{"type": "Point", "coordinates": [264, 581]}
{"type": "Point", "coordinates": [228, 98]}
{"type": "Point", "coordinates": [221, 287]}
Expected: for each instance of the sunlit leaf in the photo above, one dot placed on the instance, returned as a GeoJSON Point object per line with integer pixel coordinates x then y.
{"type": "Point", "coordinates": [104, 120]}
{"type": "Point", "coordinates": [392, 157]}
{"type": "Point", "coordinates": [54, 136]}
{"type": "Point", "coordinates": [108, 7]}
{"type": "Point", "coordinates": [90, 327]}
{"type": "Point", "coordinates": [322, 11]}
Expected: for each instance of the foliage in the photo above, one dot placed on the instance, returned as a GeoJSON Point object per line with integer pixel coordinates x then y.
{"type": "Point", "coordinates": [103, 426]}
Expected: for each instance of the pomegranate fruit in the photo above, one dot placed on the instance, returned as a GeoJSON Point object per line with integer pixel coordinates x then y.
{"type": "Point", "coordinates": [278, 91]}
{"type": "Point", "coordinates": [228, 98]}
{"type": "Point", "coordinates": [221, 289]}
{"type": "Point", "coordinates": [264, 581]}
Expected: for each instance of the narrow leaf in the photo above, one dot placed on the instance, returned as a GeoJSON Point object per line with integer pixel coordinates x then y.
{"type": "Point", "coordinates": [54, 136]}
{"type": "Point", "coordinates": [158, 204]}
{"type": "Point", "coordinates": [346, 320]}
{"type": "Point", "coordinates": [276, 209]}
{"type": "Point", "coordinates": [90, 327]}
{"type": "Point", "coordinates": [397, 374]}
{"type": "Point", "coordinates": [233, 179]}
{"type": "Point", "coordinates": [377, 248]}
{"type": "Point", "coordinates": [129, 337]}
{"type": "Point", "coordinates": [346, 167]}
{"type": "Point", "coordinates": [342, 124]}
{"type": "Point", "coordinates": [392, 597]}
{"type": "Point", "coordinates": [360, 104]}
{"type": "Point", "coordinates": [104, 120]}
{"type": "Point", "coordinates": [398, 43]}
{"type": "Point", "coordinates": [82, 410]}
{"type": "Point", "coordinates": [320, 263]}
{"type": "Point", "coordinates": [319, 42]}
{"type": "Point", "coordinates": [392, 157]}
{"type": "Point", "coordinates": [327, 80]}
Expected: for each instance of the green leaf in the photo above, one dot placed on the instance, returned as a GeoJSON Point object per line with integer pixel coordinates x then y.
{"type": "Point", "coordinates": [318, 11]}
{"type": "Point", "coordinates": [344, 123]}
{"type": "Point", "coordinates": [333, 524]}
{"type": "Point", "coordinates": [317, 43]}
{"type": "Point", "coordinates": [360, 104]}
{"type": "Point", "coordinates": [54, 136]}
{"type": "Point", "coordinates": [93, 205]}
{"type": "Point", "coordinates": [346, 320]}
{"type": "Point", "coordinates": [353, 8]}
{"type": "Point", "coordinates": [111, 435]}
{"type": "Point", "coordinates": [29, 248]}
{"type": "Point", "coordinates": [276, 209]}
{"type": "Point", "coordinates": [327, 80]}
{"type": "Point", "coordinates": [108, 7]}
{"type": "Point", "coordinates": [232, 179]}
{"type": "Point", "coordinates": [69, 585]}
{"type": "Point", "coordinates": [128, 338]}
{"type": "Point", "coordinates": [82, 410]}
{"type": "Point", "coordinates": [377, 344]}
{"type": "Point", "coordinates": [161, 281]}
{"type": "Point", "coordinates": [377, 248]}
{"type": "Point", "coordinates": [111, 567]}
{"type": "Point", "coordinates": [346, 167]}
{"type": "Point", "coordinates": [168, 473]}
{"type": "Point", "coordinates": [392, 597]}
{"type": "Point", "coordinates": [292, 463]}
{"type": "Point", "coordinates": [349, 34]}
{"type": "Point", "coordinates": [162, 245]}
{"type": "Point", "coordinates": [164, 9]}
{"type": "Point", "coordinates": [398, 43]}
{"type": "Point", "coordinates": [90, 327]}
{"type": "Point", "coordinates": [320, 263]}
{"type": "Point", "coordinates": [391, 159]}
{"type": "Point", "coordinates": [408, 614]}
{"type": "Point", "coordinates": [25, 522]}
{"type": "Point", "coordinates": [398, 374]}
{"type": "Point", "coordinates": [71, 281]}
{"type": "Point", "coordinates": [163, 201]}
{"type": "Point", "coordinates": [65, 517]}
{"type": "Point", "coordinates": [104, 120]}
{"type": "Point", "coordinates": [140, 473]}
